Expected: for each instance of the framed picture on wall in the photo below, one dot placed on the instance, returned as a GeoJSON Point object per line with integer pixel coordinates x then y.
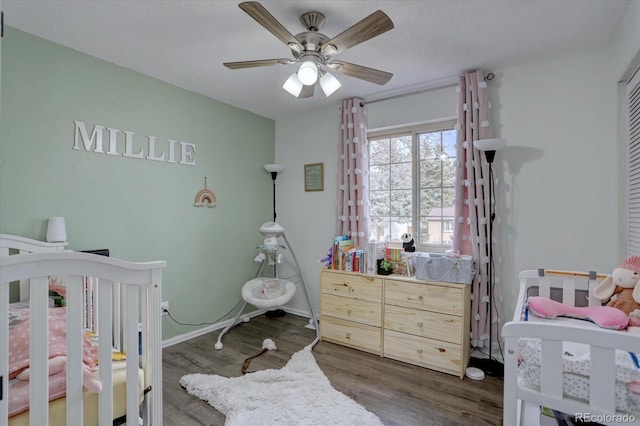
{"type": "Point", "coordinates": [314, 177]}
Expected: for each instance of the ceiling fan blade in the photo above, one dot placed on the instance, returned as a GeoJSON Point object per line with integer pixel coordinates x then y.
{"type": "Point", "coordinates": [371, 26]}
{"type": "Point", "coordinates": [361, 72]}
{"type": "Point", "coordinates": [307, 91]}
{"type": "Point", "coordinates": [258, 63]}
{"type": "Point", "coordinates": [264, 18]}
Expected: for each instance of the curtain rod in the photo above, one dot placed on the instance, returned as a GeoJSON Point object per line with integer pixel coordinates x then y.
{"type": "Point", "coordinates": [444, 84]}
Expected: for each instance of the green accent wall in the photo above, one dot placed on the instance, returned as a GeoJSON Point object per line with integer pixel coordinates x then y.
{"type": "Point", "coordinates": [141, 210]}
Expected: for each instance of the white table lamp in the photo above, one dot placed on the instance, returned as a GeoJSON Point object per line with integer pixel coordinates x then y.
{"type": "Point", "coordinates": [56, 230]}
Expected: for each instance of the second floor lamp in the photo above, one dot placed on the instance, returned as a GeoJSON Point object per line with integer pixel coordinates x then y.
{"type": "Point", "coordinates": [490, 366]}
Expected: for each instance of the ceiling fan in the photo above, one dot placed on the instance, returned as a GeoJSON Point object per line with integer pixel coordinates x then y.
{"type": "Point", "coordinates": [314, 50]}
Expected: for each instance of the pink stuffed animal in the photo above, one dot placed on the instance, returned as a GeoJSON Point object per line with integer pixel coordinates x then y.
{"type": "Point", "coordinates": [605, 317]}
{"type": "Point", "coordinates": [622, 288]}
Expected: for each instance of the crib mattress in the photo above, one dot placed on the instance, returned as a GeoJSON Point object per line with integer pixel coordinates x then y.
{"type": "Point", "coordinates": [58, 407]}
{"type": "Point", "coordinates": [576, 367]}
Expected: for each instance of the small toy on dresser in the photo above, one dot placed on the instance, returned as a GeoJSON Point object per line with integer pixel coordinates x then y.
{"type": "Point", "coordinates": [327, 260]}
{"type": "Point", "coordinates": [622, 289]}
{"type": "Point", "coordinates": [407, 242]}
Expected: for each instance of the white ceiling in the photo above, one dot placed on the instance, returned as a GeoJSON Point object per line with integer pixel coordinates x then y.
{"type": "Point", "coordinates": [185, 42]}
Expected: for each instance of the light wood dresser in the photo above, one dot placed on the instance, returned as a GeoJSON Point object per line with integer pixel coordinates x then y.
{"type": "Point", "coordinates": [351, 310]}
{"type": "Point", "coordinates": [418, 322]}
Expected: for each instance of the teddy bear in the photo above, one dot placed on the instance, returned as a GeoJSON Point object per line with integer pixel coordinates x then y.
{"type": "Point", "coordinates": [407, 242]}
{"type": "Point", "coordinates": [622, 288]}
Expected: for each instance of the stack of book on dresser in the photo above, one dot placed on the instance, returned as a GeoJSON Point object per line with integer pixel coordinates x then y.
{"type": "Point", "coordinates": [346, 257]}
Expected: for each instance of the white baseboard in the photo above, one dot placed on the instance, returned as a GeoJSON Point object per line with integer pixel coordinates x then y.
{"type": "Point", "coordinates": [208, 329]}
{"type": "Point", "coordinates": [298, 312]}
{"type": "Point", "coordinates": [222, 324]}
{"type": "Point", "coordinates": [304, 314]}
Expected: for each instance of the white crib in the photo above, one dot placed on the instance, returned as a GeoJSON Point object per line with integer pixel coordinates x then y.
{"type": "Point", "coordinates": [574, 289]}
{"type": "Point", "coordinates": [13, 244]}
{"type": "Point", "coordinates": [123, 293]}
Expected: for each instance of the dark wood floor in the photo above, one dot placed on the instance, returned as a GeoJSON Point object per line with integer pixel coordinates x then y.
{"type": "Point", "coordinates": [399, 393]}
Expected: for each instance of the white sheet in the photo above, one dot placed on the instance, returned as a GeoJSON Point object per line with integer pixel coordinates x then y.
{"type": "Point", "coordinates": [576, 366]}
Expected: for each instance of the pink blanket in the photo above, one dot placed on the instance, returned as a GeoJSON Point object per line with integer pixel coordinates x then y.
{"type": "Point", "coordinates": [19, 334]}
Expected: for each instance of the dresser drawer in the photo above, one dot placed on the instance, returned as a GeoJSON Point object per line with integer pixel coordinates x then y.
{"type": "Point", "coordinates": [437, 298]}
{"type": "Point", "coordinates": [355, 335]}
{"type": "Point", "coordinates": [441, 356]}
{"type": "Point", "coordinates": [346, 308]}
{"type": "Point", "coordinates": [351, 285]}
{"type": "Point", "coordinates": [423, 323]}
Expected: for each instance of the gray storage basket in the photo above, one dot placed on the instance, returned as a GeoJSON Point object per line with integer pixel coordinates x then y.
{"type": "Point", "coordinates": [439, 267]}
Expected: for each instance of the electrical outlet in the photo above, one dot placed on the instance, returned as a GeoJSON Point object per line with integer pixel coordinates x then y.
{"type": "Point", "coordinates": [165, 307]}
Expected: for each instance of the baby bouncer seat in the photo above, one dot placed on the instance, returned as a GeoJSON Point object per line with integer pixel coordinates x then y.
{"type": "Point", "coordinates": [269, 292]}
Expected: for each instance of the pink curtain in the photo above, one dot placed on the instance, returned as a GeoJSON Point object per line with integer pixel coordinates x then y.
{"type": "Point", "coordinates": [353, 177]}
{"type": "Point", "coordinates": [472, 204]}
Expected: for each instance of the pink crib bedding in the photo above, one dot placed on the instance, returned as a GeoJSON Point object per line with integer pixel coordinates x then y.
{"type": "Point", "coordinates": [19, 335]}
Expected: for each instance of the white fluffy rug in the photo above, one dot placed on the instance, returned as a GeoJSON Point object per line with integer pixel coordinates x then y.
{"type": "Point", "coordinates": [298, 394]}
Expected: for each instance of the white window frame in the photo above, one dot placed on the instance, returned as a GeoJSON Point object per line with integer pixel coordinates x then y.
{"type": "Point", "coordinates": [443, 124]}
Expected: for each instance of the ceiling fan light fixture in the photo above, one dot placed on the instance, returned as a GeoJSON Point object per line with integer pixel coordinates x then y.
{"type": "Point", "coordinates": [312, 50]}
{"type": "Point", "coordinates": [308, 73]}
{"type": "Point", "coordinates": [329, 84]}
{"type": "Point", "coordinates": [293, 85]}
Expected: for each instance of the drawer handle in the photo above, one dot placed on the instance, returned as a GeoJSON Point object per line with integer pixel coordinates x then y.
{"type": "Point", "coordinates": [442, 350]}
{"type": "Point", "coordinates": [348, 336]}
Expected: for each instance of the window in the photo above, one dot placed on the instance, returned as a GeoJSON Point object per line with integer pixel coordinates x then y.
{"type": "Point", "coordinates": [411, 184]}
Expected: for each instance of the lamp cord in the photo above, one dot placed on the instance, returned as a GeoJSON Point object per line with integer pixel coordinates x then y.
{"type": "Point", "coordinates": [203, 323]}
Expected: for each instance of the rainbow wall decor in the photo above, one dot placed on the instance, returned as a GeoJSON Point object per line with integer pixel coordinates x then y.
{"type": "Point", "coordinates": [205, 197]}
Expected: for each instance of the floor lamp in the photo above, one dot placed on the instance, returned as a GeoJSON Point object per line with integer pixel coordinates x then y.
{"type": "Point", "coordinates": [274, 169]}
{"type": "Point", "coordinates": [490, 366]}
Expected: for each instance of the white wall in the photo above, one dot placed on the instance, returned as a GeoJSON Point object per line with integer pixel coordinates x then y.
{"type": "Point", "coordinates": [308, 217]}
{"type": "Point", "coordinates": [428, 106]}
{"type": "Point", "coordinates": [557, 197]}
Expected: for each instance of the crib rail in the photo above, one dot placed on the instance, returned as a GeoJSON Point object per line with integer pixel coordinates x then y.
{"type": "Point", "coordinates": [566, 285]}
{"type": "Point", "coordinates": [27, 245]}
{"type": "Point", "coordinates": [13, 244]}
{"type": "Point", "coordinates": [602, 343]}
{"type": "Point", "coordinates": [141, 285]}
